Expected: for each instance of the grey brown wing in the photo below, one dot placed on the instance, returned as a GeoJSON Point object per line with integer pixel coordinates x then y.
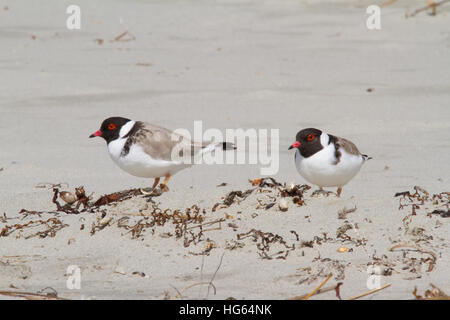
{"type": "Point", "coordinates": [348, 146]}
{"type": "Point", "coordinates": [159, 142]}
{"type": "Point", "coordinates": [341, 143]}
{"type": "Point", "coordinates": [351, 148]}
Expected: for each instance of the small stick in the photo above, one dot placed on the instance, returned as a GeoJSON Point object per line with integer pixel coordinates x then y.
{"type": "Point", "coordinates": [207, 224]}
{"type": "Point", "coordinates": [438, 298]}
{"type": "Point", "coordinates": [30, 295]}
{"type": "Point", "coordinates": [369, 292]}
{"type": "Point", "coordinates": [318, 288]}
{"type": "Point", "coordinates": [431, 5]}
{"type": "Point", "coordinates": [401, 245]}
{"type": "Point", "coordinates": [326, 289]}
{"type": "Point", "coordinates": [212, 229]}
{"type": "Point", "coordinates": [180, 294]}
{"type": "Point", "coordinates": [413, 247]}
{"type": "Point", "coordinates": [214, 275]}
{"type": "Point", "coordinates": [387, 3]}
{"type": "Point", "coordinates": [120, 36]}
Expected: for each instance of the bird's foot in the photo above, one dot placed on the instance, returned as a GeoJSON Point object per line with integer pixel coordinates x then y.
{"type": "Point", "coordinates": [322, 192]}
{"type": "Point", "coordinates": [164, 188]}
{"type": "Point", "coordinates": [145, 193]}
{"type": "Point", "coordinates": [154, 192]}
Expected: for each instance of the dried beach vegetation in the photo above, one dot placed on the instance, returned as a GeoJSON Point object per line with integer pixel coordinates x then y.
{"type": "Point", "coordinates": [202, 229]}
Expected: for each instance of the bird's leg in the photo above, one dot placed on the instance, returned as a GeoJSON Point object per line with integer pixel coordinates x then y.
{"type": "Point", "coordinates": [155, 183]}
{"type": "Point", "coordinates": [163, 185]}
{"type": "Point", "coordinates": [339, 190]}
{"type": "Point", "coordinates": [145, 193]}
{"type": "Point", "coordinates": [432, 5]}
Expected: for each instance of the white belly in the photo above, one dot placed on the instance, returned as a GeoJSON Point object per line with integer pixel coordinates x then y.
{"type": "Point", "coordinates": [319, 169]}
{"type": "Point", "coordinates": [140, 164]}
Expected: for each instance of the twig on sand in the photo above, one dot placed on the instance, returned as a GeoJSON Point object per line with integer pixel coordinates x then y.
{"type": "Point", "coordinates": [342, 214]}
{"type": "Point", "coordinates": [201, 271]}
{"type": "Point", "coordinates": [207, 224]}
{"type": "Point", "coordinates": [413, 247]}
{"type": "Point", "coordinates": [320, 291]}
{"type": "Point", "coordinates": [309, 295]}
{"type": "Point", "coordinates": [49, 185]}
{"type": "Point", "coordinates": [30, 295]}
{"type": "Point", "coordinates": [180, 294]}
{"type": "Point", "coordinates": [369, 292]}
{"type": "Point", "coordinates": [120, 37]}
{"type": "Point", "coordinates": [438, 298]}
{"type": "Point", "coordinates": [201, 283]}
{"type": "Point", "coordinates": [431, 5]}
{"type": "Point", "coordinates": [387, 3]}
{"type": "Point", "coordinates": [214, 275]}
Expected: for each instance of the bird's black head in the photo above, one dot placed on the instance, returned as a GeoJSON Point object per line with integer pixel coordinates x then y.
{"type": "Point", "coordinates": [110, 128]}
{"type": "Point", "coordinates": [308, 142]}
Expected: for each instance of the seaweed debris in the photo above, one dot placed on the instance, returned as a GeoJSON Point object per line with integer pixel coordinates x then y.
{"type": "Point", "coordinates": [263, 242]}
{"type": "Point", "coordinates": [422, 197]}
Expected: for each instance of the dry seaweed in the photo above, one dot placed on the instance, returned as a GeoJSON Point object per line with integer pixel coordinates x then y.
{"type": "Point", "coordinates": [442, 213]}
{"type": "Point", "coordinates": [51, 227]}
{"type": "Point", "coordinates": [82, 199]}
{"type": "Point", "coordinates": [341, 232]}
{"type": "Point", "coordinates": [431, 294]}
{"type": "Point", "coordinates": [422, 197]}
{"type": "Point", "coordinates": [323, 268]}
{"type": "Point", "coordinates": [125, 195]}
{"type": "Point", "coordinates": [265, 182]}
{"type": "Point", "coordinates": [263, 242]}
{"type": "Point", "coordinates": [82, 202]}
{"type": "Point", "coordinates": [265, 185]}
{"type": "Point", "coordinates": [184, 222]}
{"type": "Point", "coordinates": [342, 214]}
{"type": "Point", "coordinates": [295, 191]}
{"type": "Point", "coordinates": [431, 260]}
{"type": "Point", "coordinates": [297, 238]}
{"type": "Point", "coordinates": [230, 197]}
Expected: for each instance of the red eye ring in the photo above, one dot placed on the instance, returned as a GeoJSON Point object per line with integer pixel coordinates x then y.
{"type": "Point", "coordinates": [310, 137]}
{"type": "Point", "coordinates": [111, 126]}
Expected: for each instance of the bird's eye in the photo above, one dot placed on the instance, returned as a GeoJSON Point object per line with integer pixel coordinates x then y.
{"type": "Point", "coordinates": [310, 137]}
{"type": "Point", "coordinates": [111, 126]}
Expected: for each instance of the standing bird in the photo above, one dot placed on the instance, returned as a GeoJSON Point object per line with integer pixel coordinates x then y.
{"type": "Point", "coordinates": [149, 151]}
{"type": "Point", "coordinates": [326, 160]}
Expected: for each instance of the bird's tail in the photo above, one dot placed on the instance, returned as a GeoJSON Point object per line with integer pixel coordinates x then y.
{"type": "Point", "coordinates": [227, 146]}
{"type": "Point", "coordinates": [222, 145]}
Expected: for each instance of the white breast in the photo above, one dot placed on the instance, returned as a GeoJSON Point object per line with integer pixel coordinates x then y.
{"type": "Point", "coordinates": [319, 169]}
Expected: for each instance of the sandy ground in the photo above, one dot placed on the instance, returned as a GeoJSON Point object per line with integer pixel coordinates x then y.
{"type": "Point", "coordinates": [231, 64]}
